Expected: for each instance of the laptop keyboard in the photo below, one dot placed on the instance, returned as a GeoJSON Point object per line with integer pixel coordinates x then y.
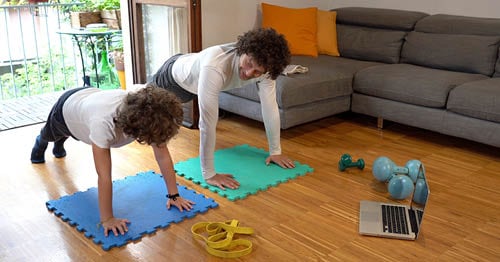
{"type": "Point", "coordinates": [415, 219]}
{"type": "Point", "coordinates": [394, 219]}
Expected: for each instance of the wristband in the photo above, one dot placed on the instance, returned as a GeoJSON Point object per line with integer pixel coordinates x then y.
{"type": "Point", "coordinates": [173, 197]}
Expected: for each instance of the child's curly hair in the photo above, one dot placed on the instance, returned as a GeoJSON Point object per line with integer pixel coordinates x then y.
{"type": "Point", "coordinates": [151, 115]}
{"type": "Point", "coordinates": [267, 47]}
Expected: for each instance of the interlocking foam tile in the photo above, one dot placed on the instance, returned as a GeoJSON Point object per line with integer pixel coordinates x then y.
{"type": "Point", "coordinates": [141, 199]}
{"type": "Point", "coordinates": [247, 165]}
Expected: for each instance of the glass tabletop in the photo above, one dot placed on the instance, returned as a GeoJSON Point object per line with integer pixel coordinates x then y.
{"type": "Point", "coordinates": [88, 32]}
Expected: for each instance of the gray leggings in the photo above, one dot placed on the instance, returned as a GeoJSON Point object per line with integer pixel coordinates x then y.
{"type": "Point", "coordinates": [55, 128]}
{"type": "Point", "coordinates": [164, 79]}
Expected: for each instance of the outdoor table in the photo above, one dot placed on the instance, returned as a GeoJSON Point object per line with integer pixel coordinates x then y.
{"type": "Point", "coordinates": [89, 37]}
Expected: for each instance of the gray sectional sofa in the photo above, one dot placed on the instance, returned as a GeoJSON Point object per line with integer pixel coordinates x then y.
{"type": "Point", "coordinates": [437, 72]}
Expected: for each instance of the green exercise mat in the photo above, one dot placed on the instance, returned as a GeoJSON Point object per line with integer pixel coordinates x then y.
{"type": "Point", "coordinates": [247, 165]}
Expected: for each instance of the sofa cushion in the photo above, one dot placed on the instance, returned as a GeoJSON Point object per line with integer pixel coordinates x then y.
{"type": "Point", "coordinates": [327, 33]}
{"type": "Point", "coordinates": [463, 53]}
{"type": "Point", "coordinates": [370, 44]}
{"type": "Point", "coordinates": [410, 84]}
{"type": "Point", "coordinates": [298, 25]}
{"type": "Point", "coordinates": [458, 25]}
{"type": "Point", "coordinates": [478, 99]}
{"type": "Point", "coordinates": [379, 18]}
{"type": "Point", "coordinates": [319, 83]}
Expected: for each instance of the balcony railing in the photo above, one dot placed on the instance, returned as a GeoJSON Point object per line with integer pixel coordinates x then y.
{"type": "Point", "coordinates": [34, 58]}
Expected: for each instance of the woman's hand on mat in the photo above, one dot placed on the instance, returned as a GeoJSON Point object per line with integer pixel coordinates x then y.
{"type": "Point", "coordinates": [117, 225]}
{"type": "Point", "coordinates": [181, 203]}
{"type": "Point", "coordinates": [280, 160]}
{"type": "Point", "coordinates": [223, 181]}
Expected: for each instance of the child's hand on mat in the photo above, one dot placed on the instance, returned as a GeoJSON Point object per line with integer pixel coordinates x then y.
{"type": "Point", "coordinates": [223, 181]}
{"type": "Point", "coordinates": [280, 160]}
{"type": "Point", "coordinates": [116, 225]}
{"type": "Point", "coordinates": [181, 203]}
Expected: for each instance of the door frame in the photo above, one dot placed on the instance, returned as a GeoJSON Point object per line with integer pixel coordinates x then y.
{"type": "Point", "coordinates": [137, 36]}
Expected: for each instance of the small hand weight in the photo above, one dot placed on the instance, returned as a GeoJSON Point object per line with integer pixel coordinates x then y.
{"type": "Point", "coordinates": [346, 161]}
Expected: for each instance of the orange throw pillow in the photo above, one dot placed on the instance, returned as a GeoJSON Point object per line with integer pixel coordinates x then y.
{"type": "Point", "coordinates": [299, 26]}
{"type": "Point", "coordinates": [327, 33]}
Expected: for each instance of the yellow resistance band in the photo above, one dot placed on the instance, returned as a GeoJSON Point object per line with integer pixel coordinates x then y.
{"type": "Point", "coordinates": [220, 241]}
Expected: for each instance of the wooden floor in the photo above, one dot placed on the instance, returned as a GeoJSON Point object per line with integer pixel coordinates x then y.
{"type": "Point", "coordinates": [27, 110]}
{"type": "Point", "coordinates": [312, 218]}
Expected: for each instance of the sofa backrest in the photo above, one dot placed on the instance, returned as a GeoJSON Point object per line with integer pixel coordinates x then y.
{"type": "Point", "coordinates": [457, 43]}
{"type": "Point", "coordinates": [373, 34]}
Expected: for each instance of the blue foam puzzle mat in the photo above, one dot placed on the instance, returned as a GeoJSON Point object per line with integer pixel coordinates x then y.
{"type": "Point", "coordinates": [140, 198]}
{"type": "Point", "coordinates": [247, 165]}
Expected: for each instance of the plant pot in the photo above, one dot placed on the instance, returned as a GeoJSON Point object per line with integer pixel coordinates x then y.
{"type": "Point", "coordinates": [111, 18]}
{"type": "Point", "coordinates": [118, 60]}
{"type": "Point", "coordinates": [120, 67]}
{"type": "Point", "coordinates": [82, 19]}
{"type": "Point", "coordinates": [121, 77]}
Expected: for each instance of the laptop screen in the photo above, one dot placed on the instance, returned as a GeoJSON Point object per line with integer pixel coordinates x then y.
{"type": "Point", "coordinates": [419, 200]}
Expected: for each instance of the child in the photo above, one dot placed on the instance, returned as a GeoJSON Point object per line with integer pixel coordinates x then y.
{"type": "Point", "coordinates": [114, 118]}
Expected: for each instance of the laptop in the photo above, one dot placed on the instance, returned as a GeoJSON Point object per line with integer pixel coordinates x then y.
{"type": "Point", "coordinates": [395, 220]}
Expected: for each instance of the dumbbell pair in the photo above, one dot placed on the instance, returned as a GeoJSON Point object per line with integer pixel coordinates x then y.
{"type": "Point", "coordinates": [401, 180]}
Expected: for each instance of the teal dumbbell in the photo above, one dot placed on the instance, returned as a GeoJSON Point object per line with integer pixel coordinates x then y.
{"type": "Point", "coordinates": [346, 162]}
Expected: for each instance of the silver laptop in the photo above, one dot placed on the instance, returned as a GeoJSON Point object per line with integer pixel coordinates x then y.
{"type": "Point", "coordinates": [394, 220]}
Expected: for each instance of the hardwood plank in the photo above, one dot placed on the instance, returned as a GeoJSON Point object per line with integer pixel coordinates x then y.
{"type": "Point", "coordinates": [311, 218]}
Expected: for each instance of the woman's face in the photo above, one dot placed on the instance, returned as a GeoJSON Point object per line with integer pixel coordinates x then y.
{"type": "Point", "coordinates": [249, 68]}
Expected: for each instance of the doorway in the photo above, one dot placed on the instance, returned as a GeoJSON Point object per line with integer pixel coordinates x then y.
{"type": "Point", "coordinates": [160, 29]}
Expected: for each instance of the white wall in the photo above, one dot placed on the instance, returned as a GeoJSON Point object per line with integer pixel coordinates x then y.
{"type": "Point", "coordinates": [222, 21]}
{"type": "Point", "coordinates": [477, 8]}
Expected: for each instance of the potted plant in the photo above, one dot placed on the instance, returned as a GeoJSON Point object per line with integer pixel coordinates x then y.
{"type": "Point", "coordinates": [110, 12]}
{"type": "Point", "coordinates": [83, 14]}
